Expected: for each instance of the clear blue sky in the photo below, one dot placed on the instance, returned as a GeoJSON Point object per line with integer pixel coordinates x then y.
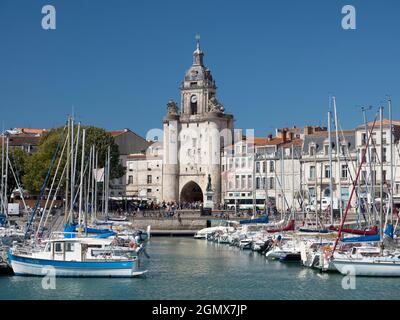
{"type": "Point", "coordinates": [118, 62]}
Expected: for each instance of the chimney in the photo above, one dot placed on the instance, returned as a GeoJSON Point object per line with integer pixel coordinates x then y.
{"type": "Point", "coordinates": [283, 135]}
{"type": "Point", "coordinates": [308, 130]}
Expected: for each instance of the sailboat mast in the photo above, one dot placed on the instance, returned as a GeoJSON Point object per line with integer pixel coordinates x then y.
{"type": "Point", "coordinates": [293, 207]}
{"type": "Point", "coordinates": [381, 184]}
{"type": "Point", "coordinates": [2, 172]}
{"type": "Point", "coordinates": [266, 181]}
{"type": "Point", "coordinates": [67, 174]}
{"type": "Point", "coordinates": [95, 186]}
{"type": "Point", "coordinates": [108, 180]}
{"type": "Point", "coordinates": [338, 157]}
{"type": "Point", "coordinates": [391, 159]}
{"type": "Point", "coordinates": [72, 181]}
{"type": "Point", "coordinates": [330, 164]}
{"type": "Point", "coordinates": [283, 182]}
{"type": "Point", "coordinates": [254, 183]}
{"type": "Point", "coordinates": [369, 171]}
{"type": "Point", "coordinates": [5, 199]}
{"type": "Point", "coordinates": [81, 180]}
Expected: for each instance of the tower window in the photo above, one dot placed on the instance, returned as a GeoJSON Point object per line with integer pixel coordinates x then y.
{"type": "Point", "coordinates": [193, 107]}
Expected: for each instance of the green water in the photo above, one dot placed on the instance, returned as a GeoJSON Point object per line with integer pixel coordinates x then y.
{"type": "Point", "coordinates": [184, 268]}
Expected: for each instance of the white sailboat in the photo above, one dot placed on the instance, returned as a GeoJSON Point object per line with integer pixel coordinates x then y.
{"type": "Point", "coordinates": [378, 262]}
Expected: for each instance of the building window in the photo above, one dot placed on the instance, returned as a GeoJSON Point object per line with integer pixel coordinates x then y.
{"type": "Point", "coordinates": [148, 190]}
{"type": "Point", "coordinates": [237, 163]}
{"type": "Point", "coordinates": [312, 172]}
{"type": "Point", "coordinates": [149, 179]}
{"type": "Point", "coordinates": [373, 155]}
{"type": "Point", "coordinates": [271, 167]}
{"type": "Point", "coordinates": [249, 181]}
{"type": "Point", "coordinates": [258, 183]}
{"type": "Point", "coordinates": [384, 155]}
{"type": "Point", "coordinates": [327, 171]}
{"type": "Point", "coordinates": [264, 167]}
{"type": "Point", "coordinates": [344, 149]}
{"type": "Point", "coordinates": [243, 185]}
{"type": "Point", "coordinates": [130, 179]}
{"type": "Point", "coordinates": [243, 149]}
{"type": "Point", "coordinates": [345, 195]}
{"type": "Point", "coordinates": [326, 149]}
{"type": "Point", "coordinates": [237, 186]}
{"type": "Point", "coordinates": [311, 191]}
{"type": "Point", "coordinates": [258, 167]}
{"type": "Point", "coordinates": [243, 162]}
{"type": "Point", "coordinates": [312, 150]}
{"type": "Point", "coordinates": [345, 170]}
{"type": "Point", "coordinates": [271, 183]}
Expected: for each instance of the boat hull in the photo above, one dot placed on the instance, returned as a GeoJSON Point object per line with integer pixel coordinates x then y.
{"type": "Point", "coordinates": [24, 266]}
{"type": "Point", "coordinates": [368, 268]}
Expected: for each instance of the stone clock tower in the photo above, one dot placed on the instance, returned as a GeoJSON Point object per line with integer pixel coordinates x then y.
{"type": "Point", "coordinates": [194, 136]}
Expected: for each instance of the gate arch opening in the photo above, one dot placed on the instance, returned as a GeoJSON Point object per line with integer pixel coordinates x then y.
{"type": "Point", "coordinates": [191, 192]}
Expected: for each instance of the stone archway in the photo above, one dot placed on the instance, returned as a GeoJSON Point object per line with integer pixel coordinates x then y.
{"type": "Point", "coordinates": [191, 192]}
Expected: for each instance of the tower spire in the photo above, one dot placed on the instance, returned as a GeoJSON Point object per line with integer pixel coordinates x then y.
{"type": "Point", "coordinates": [197, 37]}
{"type": "Point", "coordinates": [198, 54]}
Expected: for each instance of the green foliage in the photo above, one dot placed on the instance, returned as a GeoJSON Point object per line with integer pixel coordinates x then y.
{"type": "Point", "coordinates": [39, 163]}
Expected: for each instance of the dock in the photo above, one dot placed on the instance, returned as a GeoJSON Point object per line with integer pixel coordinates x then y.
{"type": "Point", "coordinates": [173, 233]}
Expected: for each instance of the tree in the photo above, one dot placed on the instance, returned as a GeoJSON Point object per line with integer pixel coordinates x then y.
{"type": "Point", "coordinates": [39, 163]}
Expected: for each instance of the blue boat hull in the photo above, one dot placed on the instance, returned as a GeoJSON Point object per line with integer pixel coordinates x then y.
{"type": "Point", "coordinates": [40, 267]}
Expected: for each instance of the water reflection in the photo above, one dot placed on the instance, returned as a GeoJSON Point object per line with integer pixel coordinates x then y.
{"type": "Point", "coordinates": [196, 269]}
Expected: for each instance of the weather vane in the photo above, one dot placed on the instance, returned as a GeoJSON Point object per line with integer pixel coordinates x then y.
{"type": "Point", "coordinates": [197, 37]}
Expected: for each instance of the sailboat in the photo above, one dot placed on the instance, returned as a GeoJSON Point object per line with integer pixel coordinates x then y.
{"type": "Point", "coordinates": [74, 253]}
{"type": "Point", "coordinates": [379, 261]}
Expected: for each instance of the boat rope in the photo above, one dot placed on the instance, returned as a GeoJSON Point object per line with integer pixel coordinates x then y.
{"type": "Point", "coordinates": [43, 188]}
{"type": "Point", "coordinates": [51, 189]}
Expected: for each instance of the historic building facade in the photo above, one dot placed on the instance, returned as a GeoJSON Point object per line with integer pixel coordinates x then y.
{"type": "Point", "coordinates": [193, 137]}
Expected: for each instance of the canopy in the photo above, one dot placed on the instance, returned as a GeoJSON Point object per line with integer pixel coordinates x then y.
{"type": "Point", "coordinates": [263, 219]}
{"type": "Point", "coordinates": [371, 238]}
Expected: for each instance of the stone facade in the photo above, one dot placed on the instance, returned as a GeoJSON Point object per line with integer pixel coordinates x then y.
{"type": "Point", "coordinates": [194, 136]}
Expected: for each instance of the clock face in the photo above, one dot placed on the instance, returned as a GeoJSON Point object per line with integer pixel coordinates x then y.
{"type": "Point", "coordinates": [193, 99]}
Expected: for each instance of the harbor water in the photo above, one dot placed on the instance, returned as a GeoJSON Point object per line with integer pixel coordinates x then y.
{"type": "Point", "coordinates": [184, 268]}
